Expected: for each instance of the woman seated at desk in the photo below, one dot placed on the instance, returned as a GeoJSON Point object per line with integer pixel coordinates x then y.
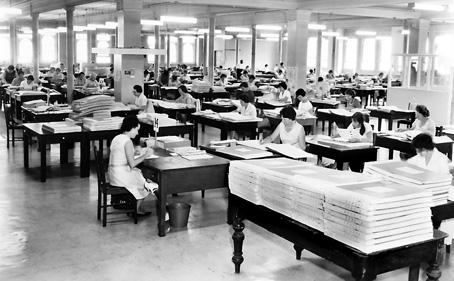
{"type": "Point", "coordinates": [223, 81]}
{"type": "Point", "coordinates": [360, 131]}
{"type": "Point", "coordinates": [80, 80]}
{"type": "Point", "coordinates": [91, 82]}
{"type": "Point", "coordinates": [18, 80]}
{"type": "Point", "coordinates": [122, 164]}
{"type": "Point", "coordinates": [284, 94]}
{"type": "Point", "coordinates": [185, 97]}
{"type": "Point", "coordinates": [185, 78]}
{"type": "Point", "coordinates": [244, 76]}
{"type": "Point", "coordinates": [352, 102]}
{"type": "Point", "coordinates": [422, 123]}
{"type": "Point", "coordinates": [322, 89]}
{"type": "Point", "coordinates": [303, 104]}
{"type": "Point", "coordinates": [58, 77]}
{"type": "Point", "coordinates": [289, 131]}
{"type": "Point", "coordinates": [29, 84]}
{"type": "Point", "coordinates": [174, 81]}
{"type": "Point", "coordinates": [246, 108]}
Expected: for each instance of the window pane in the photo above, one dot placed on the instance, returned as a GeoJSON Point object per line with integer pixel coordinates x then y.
{"type": "Point", "coordinates": [311, 52]}
{"type": "Point", "coordinates": [5, 53]}
{"type": "Point", "coordinates": [188, 53]}
{"type": "Point", "coordinates": [368, 56]}
{"type": "Point", "coordinates": [340, 56]}
{"type": "Point", "coordinates": [350, 53]}
{"type": "Point", "coordinates": [385, 54]}
{"type": "Point", "coordinates": [81, 51]}
{"type": "Point", "coordinates": [151, 41]}
{"type": "Point", "coordinates": [324, 55]}
{"type": "Point", "coordinates": [48, 48]}
{"type": "Point", "coordinates": [173, 52]}
{"type": "Point", "coordinates": [103, 58]}
{"type": "Point", "coordinates": [25, 51]}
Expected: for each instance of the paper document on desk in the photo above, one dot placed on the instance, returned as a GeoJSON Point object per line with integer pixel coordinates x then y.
{"type": "Point", "coordinates": [344, 134]}
{"type": "Point", "coordinates": [289, 151]}
{"type": "Point", "coordinates": [252, 143]}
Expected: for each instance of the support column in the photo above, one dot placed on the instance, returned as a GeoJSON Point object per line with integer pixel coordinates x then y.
{"type": "Point", "coordinates": [156, 57]}
{"type": "Point", "coordinates": [205, 53]}
{"type": "Point", "coordinates": [180, 50]}
{"type": "Point", "coordinates": [210, 68]}
{"type": "Point", "coordinates": [359, 54]}
{"type": "Point", "coordinates": [168, 51]}
{"type": "Point", "coordinates": [281, 39]}
{"type": "Point", "coordinates": [237, 50]}
{"type": "Point", "coordinates": [36, 56]}
{"type": "Point", "coordinates": [13, 41]}
{"type": "Point", "coordinates": [162, 45]}
{"type": "Point", "coordinates": [201, 44]}
{"type": "Point", "coordinates": [61, 47]}
{"type": "Point", "coordinates": [70, 53]}
{"type": "Point", "coordinates": [318, 58]}
{"type": "Point", "coordinates": [298, 35]}
{"type": "Point", "coordinates": [254, 47]}
{"type": "Point", "coordinates": [128, 68]}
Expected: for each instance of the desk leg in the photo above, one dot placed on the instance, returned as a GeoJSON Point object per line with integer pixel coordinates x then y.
{"type": "Point", "coordinates": [224, 133]}
{"type": "Point", "coordinates": [238, 238]}
{"type": "Point", "coordinates": [84, 157]}
{"type": "Point", "coordinates": [433, 272]}
{"type": "Point", "coordinates": [390, 124]}
{"type": "Point", "coordinates": [379, 124]}
{"type": "Point", "coordinates": [298, 250]}
{"type": "Point", "coordinates": [413, 274]}
{"type": "Point", "coordinates": [330, 124]}
{"type": "Point", "coordinates": [390, 154]}
{"type": "Point", "coordinates": [26, 148]}
{"type": "Point", "coordinates": [339, 165]}
{"type": "Point", "coordinates": [191, 137]}
{"type": "Point", "coordinates": [63, 153]}
{"type": "Point", "coordinates": [42, 149]}
{"type": "Point", "coordinates": [196, 132]}
{"type": "Point", "coordinates": [161, 211]}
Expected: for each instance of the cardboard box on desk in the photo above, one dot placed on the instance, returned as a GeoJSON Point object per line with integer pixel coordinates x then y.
{"type": "Point", "coordinates": [171, 142]}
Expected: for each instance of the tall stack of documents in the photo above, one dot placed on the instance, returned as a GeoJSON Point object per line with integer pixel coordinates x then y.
{"type": "Point", "coordinates": [200, 86]}
{"type": "Point", "coordinates": [88, 105]}
{"type": "Point", "coordinates": [410, 175]}
{"type": "Point", "coordinates": [99, 124]}
{"type": "Point", "coordinates": [378, 215]}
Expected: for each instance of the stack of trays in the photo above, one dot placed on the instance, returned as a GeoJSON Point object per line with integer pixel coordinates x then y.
{"type": "Point", "coordinates": [410, 175]}
{"type": "Point", "coordinates": [89, 105]}
{"type": "Point", "coordinates": [379, 215]}
{"type": "Point", "coordinates": [99, 124]}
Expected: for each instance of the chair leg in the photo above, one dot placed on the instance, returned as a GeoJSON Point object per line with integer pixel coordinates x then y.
{"type": "Point", "coordinates": [203, 193]}
{"type": "Point", "coordinates": [134, 214]}
{"type": "Point", "coordinates": [99, 204]}
{"type": "Point", "coordinates": [104, 206]}
{"type": "Point", "coordinates": [13, 136]}
{"type": "Point", "coordinates": [7, 137]}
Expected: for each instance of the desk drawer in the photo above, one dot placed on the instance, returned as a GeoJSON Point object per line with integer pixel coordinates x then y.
{"type": "Point", "coordinates": [64, 138]}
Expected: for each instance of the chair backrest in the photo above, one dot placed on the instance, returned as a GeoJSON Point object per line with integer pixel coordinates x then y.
{"type": "Point", "coordinates": [99, 168]}
{"type": "Point", "coordinates": [150, 107]}
{"type": "Point", "coordinates": [8, 116]}
{"type": "Point", "coordinates": [438, 131]}
{"type": "Point", "coordinates": [412, 105]}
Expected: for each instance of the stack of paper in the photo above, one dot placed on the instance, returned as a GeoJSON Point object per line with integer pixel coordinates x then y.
{"type": "Point", "coordinates": [235, 116]}
{"type": "Point", "coordinates": [33, 103]}
{"type": "Point", "coordinates": [410, 175]}
{"type": "Point", "coordinates": [200, 86]}
{"type": "Point", "coordinates": [88, 105]}
{"type": "Point", "coordinates": [61, 127]}
{"type": "Point", "coordinates": [289, 151]}
{"type": "Point", "coordinates": [244, 152]}
{"type": "Point", "coordinates": [99, 124]}
{"type": "Point", "coordinates": [378, 215]}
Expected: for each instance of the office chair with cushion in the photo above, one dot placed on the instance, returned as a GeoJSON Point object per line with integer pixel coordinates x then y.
{"type": "Point", "coordinates": [105, 189]}
{"type": "Point", "coordinates": [408, 122]}
{"type": "Point", "coordinates": [11, 124]}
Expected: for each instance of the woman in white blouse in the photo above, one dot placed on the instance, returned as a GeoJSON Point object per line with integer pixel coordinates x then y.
{"type": "Point", "coordinates": [303, 104]}
{"type": "Point", "coordinates": [284, 94]}
{"type": "Point", "coordinates": [28, 84]}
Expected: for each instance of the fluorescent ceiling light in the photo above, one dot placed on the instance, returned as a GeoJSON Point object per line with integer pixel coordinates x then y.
{"type": "Point", "coordinates": [429, 7]}
{"type": "Point", "coordinates": [272, 35]}
{"type": "Point", "coordinates": [151, 22]}
{"type": "Point", "coordinates": [81, 36]}
{"type": "Point", "coordinates": [103, 37]}
{"type": "Point", "coordinates": [382, 37]}
{"type": "Point", "coordinates": [405, 31]}
{"type": "Point", "coordinates": [178, 19]}
{"type": "Point", "coordinates": [268, 27]}
{"type": "Point", "coordinates": [206, 30]}
{"type": "Point", "coordinates": [366, 33]}
{"type": "Point", "coordinates": [79, 28]}
{"type": "Point", "coordinates": [330, 33]}
{"type": "Point", "coordinates": [237, 29]}
{"type": "Point", "coordinates": [10, 11]}
{"type": "Point", "coordinates": [244, 35]}
{"type": "Point", "coordinates": [272, 39]}
{"type": "Point", "coordinates": [342, 38]}
{"type": "Point", "coordinates": [3, 28]}
{"type": "Point", "coordinates": [96, 25]}
{"type": "Point", "coordinates": [111, 23]}
{"type": "Point", "coordinates": [223, 36]}
{"type": "Point", "coordinates": [89, 28]}
{"type": "Point", "coordinates": [185, 32]}
{"type": "Point", "coordinates": [315, 26]}
{"type": "Point", "coordinates": [62, 29]}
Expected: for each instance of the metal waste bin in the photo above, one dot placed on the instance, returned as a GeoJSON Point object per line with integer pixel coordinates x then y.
{"type": "Point", "coordinates": [178, 214]}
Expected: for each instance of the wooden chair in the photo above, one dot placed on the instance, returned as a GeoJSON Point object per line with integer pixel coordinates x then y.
{"type": "Point", "coordinates": [105, 189]}
{"type": "Point", "coordinates": [407, 122]}
{"type": "Point", "coordinates": [11, 125]}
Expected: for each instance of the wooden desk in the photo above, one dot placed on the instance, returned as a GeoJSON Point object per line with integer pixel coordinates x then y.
{"type": "Point", "coordinates": [224, 125]}
{"type": "Point", "coordinates": [322, 104]}
{"type": "Point", "coordinates": [362, 93]}
{"type": "Point", "coordinates": [209, 96]}
{"type": "Point", "coordinates": [341, 153]}
{"type": "Point", "coordinates": [442, 212]}
{"type": "Point", "coordinates": [364, 267]}
{"type": "Point", "coordinates": [172, 112]}
{"type": "Point", "coordinates": [306, 121]}
{"type": "Point", "coordinates": [404, 145]}
{"type": "Point", "coordinates": [19, 98]}
{"type": "Point", "coordinates": [178, 175]}
{"type": "Point", "coordinates": [391, 116]}
{"type": "Point", "coordinates": [29, 115]}
{"type": "Point", "coordinates": [342, 120]}
{"type": "Point", "coordinates": [234, 156]}
{"type": "Point", "coordinates": [44, 138]}
{"type": "Point", "coordinates": [217, 107]}
{"type": "Point", "coordinates": [261, 104]}
{"type": "Point", "coordinates": [178, 129]}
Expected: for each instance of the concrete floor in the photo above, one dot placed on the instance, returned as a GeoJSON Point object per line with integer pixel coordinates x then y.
{"type": "Point", "coordinates": [49, 232]}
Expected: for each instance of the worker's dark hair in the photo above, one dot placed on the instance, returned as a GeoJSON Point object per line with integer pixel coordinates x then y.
{"type": "Point", "coordinates": [138, 88]}
{"type": "Point", "coordinates": [422, 109]}
{"type": "Point", "coordinates": [350, 92]}
{"type": "Point", "coordinates": [288, 112]}
{"type": "Point", "coordinates": [423, 141]}
{"type": "Point", "coordinates": [283, 85]}
{"type": "Point", "coordinates": [183, 88]}
{"type": "Point", "coordinates": [244, 98]}
{"type": "Point", "coordinates": [244, 85]}
{"type": "Point", "coordinates": [130, 122]}
{"type": "Point", "coordinates": [359, 117]}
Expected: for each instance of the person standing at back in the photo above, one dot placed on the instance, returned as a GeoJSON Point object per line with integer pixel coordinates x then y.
{"type": "Point", "coordinates": [9, 74]}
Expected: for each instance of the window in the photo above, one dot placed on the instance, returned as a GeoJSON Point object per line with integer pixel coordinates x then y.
{"type": "Point", "coordinates": [443, 50]}
{"type": "Point", "coordinates": [173, 49]}
{"type": "Point", "coordinates": [385, 54]}
{"type": "Point", "coordinates": [324, 55]}
{"type": "Point", "coordinates": [103, 42]}
{"type": "Point", "coordinates": [151, 41]}
{"type": "Point", "coordinates": [5, 53]}
{"type": "Point", "coordinates": [340, 56]}
{"type": "Point", "coordinates": [188, 50]}
{"type": "Point", "coordinates": [350, 54]}
{"type": "Point", "coordinates": [48, 49]}
{"type": "Point", "coordinates": [81, 48]}
{"type": "Point", "coordinates": [25, 51]}
{"type": "Point", "coordinates": [312, 52]}
{"type": "Point", "coordinates": [368, 56]}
